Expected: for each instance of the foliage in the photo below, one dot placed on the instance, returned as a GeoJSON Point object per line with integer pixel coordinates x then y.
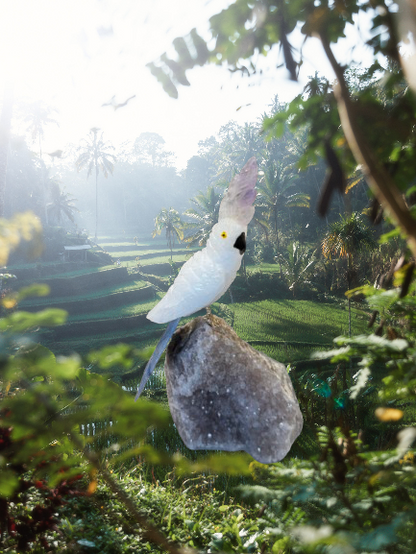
{"type": "Point", "coordinates": [61, 203]}
{"type": "Point", "coordinates": [203, 216]}
{"type": "Point", "coordinates": [37, 115]}
{"type": "Point", "coordinates": [23, 227]}
{"type": "Point", "coordinates": [347, 236]}
{"type": "Point", "coordinates": [239, 144]}
{"type": "Point", "coordinates": [377, 130]}
{"type": "Point", "coordinates": [170, 222]}
{"type": "Point", "coordinates": [297, 262]}
{"type": "Point", "coordinates": [321, 505]}
{"type": "Point", "coordinates": [60, 420]}
{"type": "Point", "coordinates": [274, 199]}
{"type": "Point", "coordinates": [148, 148]}
{"type": "Point", "coordinates": [95, 154]}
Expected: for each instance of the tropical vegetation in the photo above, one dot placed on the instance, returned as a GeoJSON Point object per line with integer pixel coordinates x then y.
{"type": "Point", "coordinates": [95, 156]}
{"type": "Point", "coordinates": [329, 292]}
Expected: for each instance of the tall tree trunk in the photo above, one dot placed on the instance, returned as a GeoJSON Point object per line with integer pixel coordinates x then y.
{"type": "Point", "coordinates": [5, 124]}
{"type": "Point", "coordinates": [349, 317]}
{"type": "Point", "coordinates": [96, 201]}
{"type": "Point", "coordinates": [123, 197]}
{"type": "Point", "coordinates": [43, 179]}
{"type": "Point", "coordinates": [44, 190]}
{"type": "Point", "coordinates": [349, 270]}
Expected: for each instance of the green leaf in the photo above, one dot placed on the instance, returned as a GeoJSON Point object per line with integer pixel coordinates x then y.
{"type": "Point", "coordinates": [362, 377]}
{"type": "Point", "coordinates": [118, 354]}
{"type": "Point", "coordinates": [67, 367]}
{"type": "Point", "coordinates": [383, 536]}
{"type": "Point", "coordinates": [9, 482]}
{"type": "Point", "coordinates": [232, 464]}
{"type": "Point", "coordinates": [37, 289]}
{"type": "Point", "coordinates": [281, 546]}
{"type": "Point", "coordinates": [224, 508]}
{"type": "Point", "coordinates": [22, 321]}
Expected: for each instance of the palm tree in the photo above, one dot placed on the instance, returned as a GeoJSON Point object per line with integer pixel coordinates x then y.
{"type": "Point", "coordinates": [170, 221]}
{"type": "Point", "coordinates": [204, 216]}
{"type": "Point", "coordinates": [345, 238]}
{"type": "Point", "coordinates": [62, 203]}
{"type": "Point", "coordinates": [274, 198]}
{"type": "Point", "coordinates": [238, 146]}
{"type": "Point", "coordinates": [298, 262]}
{"type": "Point", "coordinates": [38, 116]}
{"type": "Point", "coordinates": [317, 86]}
{"type": "Point", "coordinates": [95, 156]}
{"type": "Point", "coordinates": [5, 125]}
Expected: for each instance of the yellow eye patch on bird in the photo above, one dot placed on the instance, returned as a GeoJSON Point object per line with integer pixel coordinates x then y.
{"type": "Point", "coordinates": [224, 235]}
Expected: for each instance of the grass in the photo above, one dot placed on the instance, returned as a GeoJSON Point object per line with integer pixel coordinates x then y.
{"type": "Point", "coordinates": [192, 513]}
{"type": "Point", "coordinates": [264, 268]}
{"type": "Point", "coordinates": [289, 330]}
{"type": "Point", "coordinates": [165, 259]}
{"type": "Point", "coordinates": [303, 321]}
{"type": "Point", "coordinates": [83, 345]}
{"type": "Point", "coordinates": [109, 247]}
{"type": "Point", "coordinates": [152, 254]}
{"type": "Point", "coordinates": [126, 310]}
{"type": "Point", "coordinates": [286, 330]}
{"type": "Point", "coordinates": [122, 287]}
{"type": "Point", "coordinates": [64, 274]}
{"type": "Point", "coordinates": [122, 241]}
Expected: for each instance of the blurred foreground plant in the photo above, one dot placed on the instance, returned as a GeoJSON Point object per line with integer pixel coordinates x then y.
{"type": "Point", "coordinates": [64, 428]}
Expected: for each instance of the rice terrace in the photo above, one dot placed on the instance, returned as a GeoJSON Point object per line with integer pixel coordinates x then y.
{"type": "Point", "coordinates": [285, 329]}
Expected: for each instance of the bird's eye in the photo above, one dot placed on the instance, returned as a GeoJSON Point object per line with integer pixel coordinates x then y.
{"type": "Point", "coordinates": [224, 235]}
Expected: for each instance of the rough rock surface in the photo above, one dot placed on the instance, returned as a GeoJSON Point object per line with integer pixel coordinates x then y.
{"type": "Point", "coordinates": [224, 395]}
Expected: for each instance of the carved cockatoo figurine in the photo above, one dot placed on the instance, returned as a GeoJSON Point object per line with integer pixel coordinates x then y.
{"type": "Point", "coordinates": [208, 274]}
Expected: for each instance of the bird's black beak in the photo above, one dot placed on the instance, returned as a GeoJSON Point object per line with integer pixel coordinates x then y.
{"type": "Point", "coordinates": [240, 243]}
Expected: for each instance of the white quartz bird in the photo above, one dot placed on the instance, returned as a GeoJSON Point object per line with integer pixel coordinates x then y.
{"type": "Point", "coordinates": [208, 274]}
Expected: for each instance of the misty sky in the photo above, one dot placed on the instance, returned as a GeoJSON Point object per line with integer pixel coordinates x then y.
{"type": "Point", "coordinates": [77, 55]}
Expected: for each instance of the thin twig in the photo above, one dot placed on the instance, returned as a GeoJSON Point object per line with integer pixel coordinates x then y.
{"type": "Point", "coordinates": [150, 532]}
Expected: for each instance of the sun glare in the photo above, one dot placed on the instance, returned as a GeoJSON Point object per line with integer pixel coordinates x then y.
{"type": "Point", "coordinates": [36, 46]}
{"type": "Point", "coordinates": [79, 57]}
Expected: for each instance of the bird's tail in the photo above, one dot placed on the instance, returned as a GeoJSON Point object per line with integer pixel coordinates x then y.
{"type": "Point", "coordinates": [161, 345]}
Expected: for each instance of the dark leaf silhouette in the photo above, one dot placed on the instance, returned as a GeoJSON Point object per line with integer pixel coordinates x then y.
{"type": "Point", "coordinates": [335, 180]}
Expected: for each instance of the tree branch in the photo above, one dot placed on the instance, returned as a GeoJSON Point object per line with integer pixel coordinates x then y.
{"type": "Point", "coordinates": [378, 179]}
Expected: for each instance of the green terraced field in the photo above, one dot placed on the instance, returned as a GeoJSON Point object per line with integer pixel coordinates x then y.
{"type": "Point", "coordinates": [152, 254]}
{"type": "Point", "coordinates": [143, 262]}
{"type": "Point", "coordinates": [123, 287]}
{"type": "Point", "coordinates": [148, 240]}
{"type": "Point", "coordinates": [287, 330]}
{"type": "Point", "coordinates": [126, 310]}
{"type": "Point", "coordinates": [304, 321]}
{"type": "Point", "coordinates": [82, 271]}
{"type": "Point", "coordinates": [166, 259]}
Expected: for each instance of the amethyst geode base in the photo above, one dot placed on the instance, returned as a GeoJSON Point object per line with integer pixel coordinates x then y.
{"type": "Point", "coordinates": [224, 395]}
